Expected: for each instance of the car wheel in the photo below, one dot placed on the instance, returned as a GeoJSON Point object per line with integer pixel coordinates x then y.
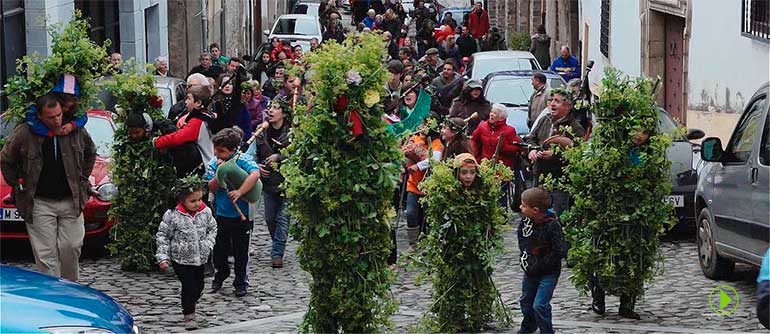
{"type": "Point", "coordinates": [713, 266]}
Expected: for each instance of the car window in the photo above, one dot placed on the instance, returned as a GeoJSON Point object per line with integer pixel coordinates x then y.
{"type": "Point", "coordinates": [742, 141]}
{"type": "Point", "coordinates": [102, 134]}
{"type": "Point", "coordinates": [666, 124]}
{"type": "Point", "coordinates": [515, 91]}
{"type": "Point", "coordinates": [482, 68]}
{"type": "Point", "coordinates": [764, 151]}
{"type": "Point", "coordinates": [301, 27]}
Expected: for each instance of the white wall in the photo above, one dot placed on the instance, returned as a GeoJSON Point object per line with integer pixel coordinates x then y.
{"type": "Point", "coordinates": [625, 37]}
{"type": "Point", "coordinates": [725, 68]}
{"type": "Point", "coordinates": [132, 29]}
{"type": "Point", "coordinates": [39, 15]}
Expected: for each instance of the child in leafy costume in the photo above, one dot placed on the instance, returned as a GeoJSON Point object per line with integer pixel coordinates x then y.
{"type": "Point", "coordinates": [465, 238]}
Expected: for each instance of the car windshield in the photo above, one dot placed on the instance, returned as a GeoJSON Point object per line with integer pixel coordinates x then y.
{"type": "Point", "coordinates": [515, 91]}
{"type": "Point", "coordinates": [482, 68]}
{"type": "Point", "coordinates": [102, 134]}
{"type": "Point", "coordinates": [302, 27]}
{"type": "Point", "coordinates": [666, 125]}
{"type": "Point", "coordinates": [308, 9]}
{"type": "Point", "coordinates": [165, 93]}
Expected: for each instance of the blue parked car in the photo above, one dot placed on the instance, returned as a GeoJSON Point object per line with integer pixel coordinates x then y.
{"type": "Point", "coordinates": [36, 303]}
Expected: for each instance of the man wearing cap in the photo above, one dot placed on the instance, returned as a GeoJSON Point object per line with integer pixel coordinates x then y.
{"type": "Point", "coordinates": [49, 177]}
{"type": "Point", "coordinates": [432, 63]}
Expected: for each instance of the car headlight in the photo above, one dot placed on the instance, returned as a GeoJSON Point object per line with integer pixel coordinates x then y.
{"type": "Point", "coordinates": [106, 192]}
{"type": "Point", "coordinates": [76, 330]}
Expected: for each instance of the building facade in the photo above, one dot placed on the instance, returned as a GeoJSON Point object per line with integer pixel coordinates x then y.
{"type": "Point", "coordinates": [710, 55]}
{"type": "Point", "coordinates": [138, 29]}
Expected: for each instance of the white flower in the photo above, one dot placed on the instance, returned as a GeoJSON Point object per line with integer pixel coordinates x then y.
{"type": "Point", "coordinates": [353, 77]}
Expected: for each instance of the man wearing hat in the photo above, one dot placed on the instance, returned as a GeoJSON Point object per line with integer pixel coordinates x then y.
{"type": "Point", "coordinates": [432, 63]}
{"type": "Point", "coordinates": [49, 177]}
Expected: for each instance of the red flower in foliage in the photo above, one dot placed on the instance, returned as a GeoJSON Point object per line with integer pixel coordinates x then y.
{"type": "Point", "coordinates": [156, 101]}
{"type": "Point", "coordinates": [341, 103]}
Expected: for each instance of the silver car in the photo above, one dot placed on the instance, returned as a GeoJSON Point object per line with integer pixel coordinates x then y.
{"type": "Point", "coordinates": [495, 61]}
{"type": "Point", "coordinates": [296, 28]}
{"type": "Point", "coordinates": [732, 199]}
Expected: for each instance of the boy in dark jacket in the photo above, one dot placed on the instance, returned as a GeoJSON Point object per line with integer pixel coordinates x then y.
{"type": "Point", "coordinates": [542, 247]}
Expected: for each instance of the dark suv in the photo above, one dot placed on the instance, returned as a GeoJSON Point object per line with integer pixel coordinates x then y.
{"type": "Point", "coordinates": [732, 200]}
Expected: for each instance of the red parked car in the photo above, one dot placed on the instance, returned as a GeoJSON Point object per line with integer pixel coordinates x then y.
{"type": "Point", "coordinates": [101, 127]}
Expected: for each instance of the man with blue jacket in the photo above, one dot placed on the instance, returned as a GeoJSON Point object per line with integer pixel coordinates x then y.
{"type": "Point", "coordinates": [566, 65]}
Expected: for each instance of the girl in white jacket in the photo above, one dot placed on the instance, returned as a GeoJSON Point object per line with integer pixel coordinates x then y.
{"type": "Point", "coordinates": [185, 239]}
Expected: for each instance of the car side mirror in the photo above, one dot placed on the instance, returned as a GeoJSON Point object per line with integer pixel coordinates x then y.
{"type": "Point", "coordinates": [266, 32]}
{"type": "Point", "coordinates": [711, 149]}
{"type": "Point", "coordinates": [694, 134]}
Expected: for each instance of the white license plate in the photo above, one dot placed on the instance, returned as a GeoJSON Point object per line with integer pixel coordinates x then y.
{"type": "Point", "coordinates": [12, 215]}
{"type": "Point", "coordinates": [676, 200]}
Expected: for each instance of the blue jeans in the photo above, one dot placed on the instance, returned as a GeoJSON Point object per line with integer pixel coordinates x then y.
{"type": "Point", "coordinates": [535, 302]}
{"type": "Point", "coordinates": [414, 212]}
{"type": "Point", "coordinates": [277, 222]}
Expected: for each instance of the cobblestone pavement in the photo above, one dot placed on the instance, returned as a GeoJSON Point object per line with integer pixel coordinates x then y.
{"type": "Point", "coordinates": [677, 301]}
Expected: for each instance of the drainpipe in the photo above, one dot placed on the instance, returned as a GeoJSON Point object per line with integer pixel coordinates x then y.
{"type": "Point", "coordinates": [204, 26]}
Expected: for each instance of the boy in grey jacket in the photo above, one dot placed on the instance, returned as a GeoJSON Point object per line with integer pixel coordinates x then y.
{"type": "Point", "coordinates": [185, 239]}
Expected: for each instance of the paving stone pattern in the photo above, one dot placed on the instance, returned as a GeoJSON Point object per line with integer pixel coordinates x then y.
{"type": "Point", "coordinates": [678, 298]}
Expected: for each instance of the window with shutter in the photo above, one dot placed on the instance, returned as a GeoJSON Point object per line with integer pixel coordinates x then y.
{"type": "Point", "coordinates": [604, 42]}
{"type": "Point", "coordinates": [755, 19]}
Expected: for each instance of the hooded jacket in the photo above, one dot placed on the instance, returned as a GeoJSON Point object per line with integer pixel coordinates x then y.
{"type": "Point", "coordinates": [186, 238]}
{"type": "Point", "coordinates": [195, 130]}
{"type": "Point", "coordinates": [541, 245]}
{"type": "Point", "coordinates": [465, 107]}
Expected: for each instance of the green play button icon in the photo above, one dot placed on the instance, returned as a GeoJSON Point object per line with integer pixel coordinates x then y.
{"type": "Point", "coordinates": [723, 300]}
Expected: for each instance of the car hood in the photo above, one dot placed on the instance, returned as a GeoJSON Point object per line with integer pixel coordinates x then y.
{"type": "Point", "coordinates": [682, 173]}
{"type": "Point", "coordinates": [32, 300]}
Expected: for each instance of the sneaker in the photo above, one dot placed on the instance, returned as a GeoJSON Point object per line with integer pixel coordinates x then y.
{"type": "Point", "coordinates": [215, 286]}
{"type": "Point", "coordinates": [189, 322]}
{"type": "Point", "coordinates": [277, 263]}
{"type": "Point", "coordinates": [240, 292]}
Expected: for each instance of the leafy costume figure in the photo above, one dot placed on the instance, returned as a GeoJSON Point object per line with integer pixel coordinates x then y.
{"type": "Point", "coordinates": [145, 181]}
{"type": "Point", "coordinates": [618, 181]}
{"type": "Point", "coordinates": [340, 174]}
{"type": "Point", "coordinates": [464, 241]}
{"type": "Point", "coordinates": [72, 53]}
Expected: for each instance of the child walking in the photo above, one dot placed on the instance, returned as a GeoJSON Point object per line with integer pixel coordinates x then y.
{"type": "Point", "coordinates": [232, 232]}
{"type": "Point", "coordinates": [542, 247]}
{"type": "Point", "coordinates": [185, 239]}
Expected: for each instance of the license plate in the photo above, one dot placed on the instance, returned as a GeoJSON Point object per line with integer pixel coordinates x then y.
{"type": "Point", "coordinates": [676, 200]}
{"type": "Point", "coordinates": [12, 215]}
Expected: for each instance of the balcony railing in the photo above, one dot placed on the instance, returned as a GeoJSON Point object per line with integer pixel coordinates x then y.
{"type": "Point", "coordinates": [755, 21]}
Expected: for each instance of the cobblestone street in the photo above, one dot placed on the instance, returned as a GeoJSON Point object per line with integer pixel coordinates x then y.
{"type": "Point", "coordinates": [676, 302]}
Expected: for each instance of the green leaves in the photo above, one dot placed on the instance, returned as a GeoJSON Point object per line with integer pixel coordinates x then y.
{"type": "Point", "coordinates": [463, 243]}
{"type": "Point", "coordinates": [144, 179]}
{"type": "Point", "coordinates": [339, 189]}
{"type": "Point", "coordinates": [618, 213]}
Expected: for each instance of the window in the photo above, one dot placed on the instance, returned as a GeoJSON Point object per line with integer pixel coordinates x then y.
{"type": "Point", "coordinates": [604, 41]}
{"type": "Point", "coordinates": [13, 42]}
{"type": "Point", "coordinates": [755, 21]}
{"type": "Point", "coordinates": [742, 141]}
{"type": "Point", "coordinates": [105, 21]}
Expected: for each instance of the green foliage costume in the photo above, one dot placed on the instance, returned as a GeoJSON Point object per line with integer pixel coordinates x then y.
{"type": "Point", "coordinates": [463, 243]}
{"type": "Point", "coordinates": [72, 52]}
{"type": "Point", "coordinates": [143, 180]}
{"type": "Point", "coordinates": [618, 183]}
{"type": "Point", "coordinates": [339, 185]}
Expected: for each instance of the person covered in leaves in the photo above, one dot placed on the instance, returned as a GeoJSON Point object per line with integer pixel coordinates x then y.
{"type": "Point", "coordinates": [421, 147]}
{"type": "Point", "coordinates": [185, 240]}
{"type": "Point", "coordinates": [268, 150]}
{"type": "Point", "coordinates": [542, 246]}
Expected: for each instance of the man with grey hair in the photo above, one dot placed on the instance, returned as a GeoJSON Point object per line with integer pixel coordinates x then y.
{"type": "Point", "coordinates": [161, 67]}
{"type": "Point", "coordinates": [206, 68]}
{"type": "Point", "coordinates": [485, 142]}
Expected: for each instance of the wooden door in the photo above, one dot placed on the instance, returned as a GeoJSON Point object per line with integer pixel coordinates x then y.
{"type": "Point", "coordinates": [674, 74]}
